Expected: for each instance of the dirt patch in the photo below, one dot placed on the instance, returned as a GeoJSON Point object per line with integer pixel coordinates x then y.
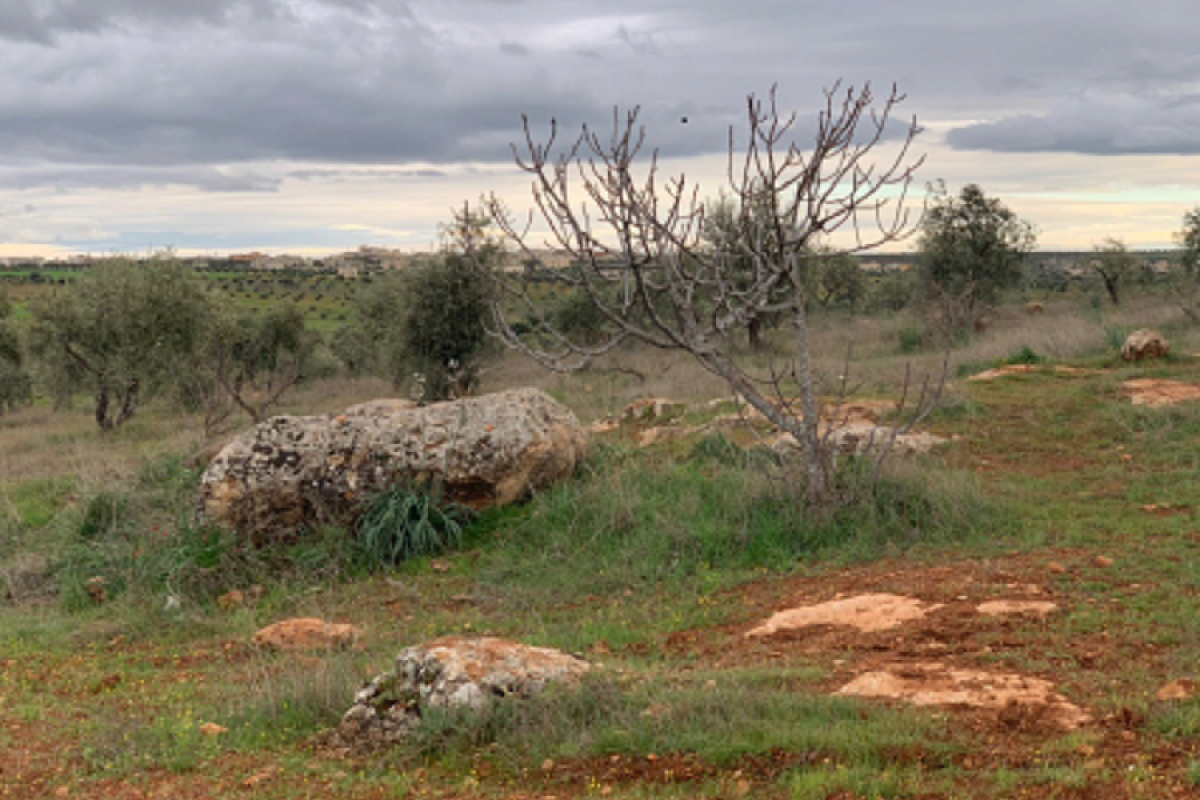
{"type": "Point", "coordinates": [1160, 392]}
{"type": "Point", "coordinates": [868, 613]}
{"type": "Point", "coordinates": [1019, 700]}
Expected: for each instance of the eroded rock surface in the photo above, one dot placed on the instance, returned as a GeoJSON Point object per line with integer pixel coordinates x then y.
{"type": "Point", "coordinates": [1016, 698]}
{"type": "Point", "coordinates": [1160, 392]}
{"type": "Point", "coordinates": [485, 451]}
{"type": "Point", "coordinates": [451, 672]}
{"type": "Point", "coordinates": [1003, 608]}
{"type": "Point", "coordinates": [866, 612]}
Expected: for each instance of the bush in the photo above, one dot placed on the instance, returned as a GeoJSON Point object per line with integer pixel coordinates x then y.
{"type": "Point", "coordinates": [1026, 355]}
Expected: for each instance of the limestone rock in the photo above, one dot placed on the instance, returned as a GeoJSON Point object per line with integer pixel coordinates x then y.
{"type": "Point", "coordinates": [1177, 690]}
{"type": "Point", "coordinates": [460, 671]}
{"type": "Point", "coordinates": [1018, 699]}
{"type": "Point", "coordinates": [653, 409]}
{"type": "Point", "coordinates": [485, 451]}
{"type": "Point", "coordinates": [307, 633]}
{"type": "Point", "coordinates": [1143, 344]}
{"type": "Point", "coordinates": [868, 613]}
{"type": "Point", "coordinates": [451, 672]}
{"type": "Point", "coordinates": [1160, 392]}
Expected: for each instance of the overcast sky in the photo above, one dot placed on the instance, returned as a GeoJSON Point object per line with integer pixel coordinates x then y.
{"type": "Point", "coordinates": [313, 125]}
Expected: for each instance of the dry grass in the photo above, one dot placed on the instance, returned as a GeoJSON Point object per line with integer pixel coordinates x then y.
{"type": "Point", "coordinates": [40, 443]}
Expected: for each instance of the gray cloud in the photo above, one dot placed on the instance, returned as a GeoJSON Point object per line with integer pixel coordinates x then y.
{"type": "Point", "coordinates": [1095, 123]}
{"type": "Point", "coordinates": [126, 177]}
{"type": "Point", "coordinates": [345, 174]}
{"type": "Point", "coordinates": [91, 90]}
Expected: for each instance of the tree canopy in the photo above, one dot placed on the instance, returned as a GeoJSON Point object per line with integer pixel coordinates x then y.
{"type": "Point", "coordinates": [971, 248]}
{"type": "Point", "coordinates": [120, 332]}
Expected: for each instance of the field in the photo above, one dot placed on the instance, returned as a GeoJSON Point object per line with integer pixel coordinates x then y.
{"type": "Point", "coordinates": [324, 298]}
{"type": "Point", "coordinates": [654, 563]}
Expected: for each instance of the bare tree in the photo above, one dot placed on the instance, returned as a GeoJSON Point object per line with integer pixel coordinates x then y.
{"type": "Point", "coordinates": [637, 245]}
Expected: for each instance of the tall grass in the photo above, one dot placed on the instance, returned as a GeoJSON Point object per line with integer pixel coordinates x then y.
{"type": "Point", "coordinates": [635, 523]}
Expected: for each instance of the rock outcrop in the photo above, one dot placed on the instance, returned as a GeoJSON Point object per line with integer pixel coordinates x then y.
{"type": "Point", "coordinates": [1144, 344]}
{"type": "Point", "coordinates": [483, 451]}
{"type": "Point", "coordinates": [451, 672]}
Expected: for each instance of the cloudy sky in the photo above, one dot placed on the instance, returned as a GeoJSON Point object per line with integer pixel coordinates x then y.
{"type": "Point", "coordinates": [317, 125]}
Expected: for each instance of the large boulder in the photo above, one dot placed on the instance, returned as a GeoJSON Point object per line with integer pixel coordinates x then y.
{"type": "Point", "coordinates": [1143, 344]}
{"type": "Point", "coordinates": [451, 672]}
{"type": "Point", "coordinates": [484, 451]}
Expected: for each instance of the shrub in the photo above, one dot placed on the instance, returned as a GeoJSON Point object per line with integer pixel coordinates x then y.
{"type": "Point", "coordinates": [1026, 355]}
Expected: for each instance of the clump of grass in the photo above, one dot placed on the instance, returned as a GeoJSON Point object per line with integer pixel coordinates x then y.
{"type": "Point", "coordinates": [104, 515]}
{"type": "Point", "coordinates": [1180, 721]}
{"type": "Point", "coordinates": [288, 701]}
{"type": "Point", "coordinates": [406, 522]}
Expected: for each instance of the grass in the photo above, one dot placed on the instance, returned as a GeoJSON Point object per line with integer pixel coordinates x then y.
{"type": "Point", "coordinates": [650, 562]}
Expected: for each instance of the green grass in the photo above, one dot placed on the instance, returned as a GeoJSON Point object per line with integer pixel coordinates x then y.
{"type": "Point", "coordinates": [644, 544]}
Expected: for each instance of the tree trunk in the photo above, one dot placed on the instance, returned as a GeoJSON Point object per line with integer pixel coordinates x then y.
{"type": "Point", "coordinates": [815, 461]}
{"type": "Point", "coordinates": [754, 333]}
{"type": "Point", "coordinates": [1111, 285]}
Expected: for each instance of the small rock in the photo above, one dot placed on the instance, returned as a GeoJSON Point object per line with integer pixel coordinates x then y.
{"type": "Point", "coordinates": [1143, 344]}
{"type": "Point", "coordinates": [1103, 561]}
{"type": "Point", "coordinates": [231, 600]}
{"type": "Point", "coordinates": [1181, 689]}
{"type": "Point", "coordinates": [260, 777]}
{"type": "Point", "coordinates": [213, 729]}
{"type": "Point", "coordinates": [1057, 568]}
{"type": "Point", "coordinates": [307, 634]}
{"type": "Point", "coordinates": [97, 587]}
{"type": "Point", "coordinates": [999, 608]}
{"type": "Point", "coordinates": [451, 672]}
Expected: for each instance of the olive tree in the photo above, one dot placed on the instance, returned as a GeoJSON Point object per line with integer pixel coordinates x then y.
{"type": "Point", "coordinates": [1186, 285]}
{"type": "Point", "coordinates": [16, 387]}
{"type": "Point", "coordinates": [443, 335]}
{"type": "Point", "coordinates": [971, 248]}
{"type": "Point", "coordinates": [425, 325]}
{"type": "Point", "coordinates": [247, 362]}
{"type": "Point", "coordinates": [638, 241]}
{"type": "Point", "coordinates": [121, 332]}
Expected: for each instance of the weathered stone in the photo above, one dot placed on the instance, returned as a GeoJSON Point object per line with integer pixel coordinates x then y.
{"type": "Point", "coordinates": [451, 672]}
{"type": "Point", "coordinates": [653, 409]}
{"type": "Point", "coordinates": [1143, 344]}
{"type": "Point", "coordinates": [307, 633]}
{"type": "Point", "coordinates": [484, 451]}
{"type": "Point", "coordinates": [460, 671]}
